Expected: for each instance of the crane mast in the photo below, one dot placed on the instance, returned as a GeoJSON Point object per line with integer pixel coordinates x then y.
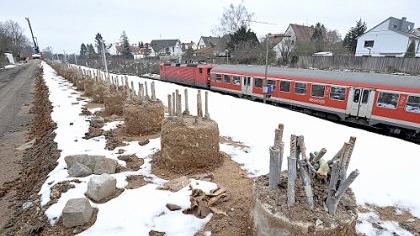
{"type": "Point", "coordinates": [36, 48]}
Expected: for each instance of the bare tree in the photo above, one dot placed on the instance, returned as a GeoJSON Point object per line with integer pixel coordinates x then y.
{"type": "Point", "coordinates": [286, 49]}
{"type": "Point", "coordinates": [12, 38]}
{"type": "Point", "coordinates": [233, 18]}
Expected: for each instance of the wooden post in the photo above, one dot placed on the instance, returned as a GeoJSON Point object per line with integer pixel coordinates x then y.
{"type": "Point", "coordinates": [291, 172]}
{"type": "Point", "coordinates": [186, 111]}
{"type": "Point", "coordinates": [141, 92]}
{"type": "Point", "coordinates": [177, 100]}
{"type": "Point", "coordinates": [153, 91]}
{"type": "Point", "coordinates": [170, 106]}
{"type": "Point", "coordinates": [179, 106]}
{"type": "Point", "coordinates": [206, 105]}
{"type": "Point", "coordinates": [306, 182]}
{"type": "Point", "coordinates": [318, 156]}
{"type": "Point", "coordinates": [173, 103]}
{"type": "Point", "coordinates": [275, 168]}
{"type": "Point", "coordinates": [278, 135]}
{"type": "Point", "coordinates": [199, 105]}
{"type": "Point", "coordinates": [146, 90]}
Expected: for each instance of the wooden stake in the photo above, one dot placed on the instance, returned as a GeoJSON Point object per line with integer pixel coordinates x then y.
{"type": "Point", "coordinates": [141, 92]}
{"type": "Point", "coordinates": [275, 168]}
{"type": "Point", "coordinates": [291, 172]}
{"type": "Point", "coordinates": [306, 182]}
{"type": "Point", "coordinates": [179, 105]}
{"type": "Point", "coordinates": [199, 105]}
{"type": "Point", "coordinates": [186, 111]}
{"type": "Point", "coordinates": [278, 135]}
{"type": "Point", "coordinates": [147, 90]}
{"type": "Point", "coordinates": [173, 104]}
{"type": "Point", "coordinates": [170, 105]}
{"type": "Point", "coordinates": [153, 91]}
{"type": "Point", "coordinates": [206, 105]}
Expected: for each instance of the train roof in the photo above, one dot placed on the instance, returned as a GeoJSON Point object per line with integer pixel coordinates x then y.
{"type": "Point", "coordinates": [412, 83]}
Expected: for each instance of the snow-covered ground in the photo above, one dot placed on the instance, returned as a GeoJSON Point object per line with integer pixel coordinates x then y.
{"type": "Point", "coordinates": [388, 166]}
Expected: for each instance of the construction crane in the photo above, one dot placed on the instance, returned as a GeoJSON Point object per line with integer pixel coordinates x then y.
{"type": "Point", "coordinates": [36, 48]}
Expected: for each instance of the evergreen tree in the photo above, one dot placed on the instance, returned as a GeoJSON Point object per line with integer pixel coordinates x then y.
{"type": "Point", "coordinates": [243, 37]}
{"type": "Point", "coordinates": [126, 51]}
{"type": "Point", "coordinates": [83, 51]}
{"type": "Point", "coordinates": [411, 50]}
{"type": "Point", "coordinates": [318, 37]}
{"type": "Point", "coordinates": [141, 44]}
{"type": "Point", "coordinates": [350, 40]}
{"type": "Point", "coordinates": [98, 43]}
{"type": "Point", "coordinates": [91, 51]}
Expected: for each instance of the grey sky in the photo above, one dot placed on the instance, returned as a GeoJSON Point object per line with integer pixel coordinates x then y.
{"type": "Point", "coordinates": [64, 25]}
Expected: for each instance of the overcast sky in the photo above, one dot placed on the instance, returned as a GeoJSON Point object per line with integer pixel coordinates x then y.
{"type": "Point", "coordinates": [64, 25]}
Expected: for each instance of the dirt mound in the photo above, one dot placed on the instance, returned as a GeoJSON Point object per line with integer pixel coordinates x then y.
{"type": "Point", "coordinates": [143, 119]}
{"type": "Point", "coordinates": [89, 87]}
{"type": "Point", "coordinates": [188, 147]}
{"type": "Point", "coordinates": [114, 103]}
{"type": "Point", "coordinates": [318, 220]}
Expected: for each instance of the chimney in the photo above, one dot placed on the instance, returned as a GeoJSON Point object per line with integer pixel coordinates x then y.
{"type": "Point", "coordinates": [402, 24]}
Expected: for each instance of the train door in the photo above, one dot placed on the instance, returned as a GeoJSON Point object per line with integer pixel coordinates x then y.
{"type": "Point", "coordinates": [360, 102]}
{"type": "Point", "coordinates": [246, 85]}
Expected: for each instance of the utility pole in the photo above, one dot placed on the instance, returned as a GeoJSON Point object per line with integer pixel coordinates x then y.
{"type": "Point", "coordinates": [265, 89]}
{"type": "Point", "coordinates": [75, 58]}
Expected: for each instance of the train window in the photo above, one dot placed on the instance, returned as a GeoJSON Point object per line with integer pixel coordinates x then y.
{"type": "Point", "coordinates": [300, 88]}
{"type": "Point", "coordinates": [226, 79]}
{"type": "Point", "coordinates": [338, 93]}
{"type": "Point", "coordinates": [284, 86]}
{"type": "Point", "coordinates": [272, 84]}
{"type": "Point", "coordinates": [365, 96]}
{"type": "Point", "coordinates": [236, 80]}
{"type": "Point", "coordinates": [413, 104]}
{"type": "Point", "coordinates": [356, 96]}
{"type": "Point", "coordinates": [317, 90]}
{"type": "Point", "coordinates": [258, 82]}
{"type": "Point", "coordinates": [388, 100]}
{"type": "Point", "coordinates": [218, 77]}
{"type": "Point", "coordinates": [200, 71]}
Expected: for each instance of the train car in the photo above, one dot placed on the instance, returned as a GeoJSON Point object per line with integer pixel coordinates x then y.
{"type": "Point", "coordinates": [196, 75]}
{"type": "Point", "coordinates": [378, 100]}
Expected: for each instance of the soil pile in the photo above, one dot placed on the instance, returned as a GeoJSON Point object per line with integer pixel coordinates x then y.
{"type": "Point", "coordinates": [189, 147]}
{"type": "Point", "coordinates": [114, 103]}
{"type": "Point", "coordinates": [143, 119]}
{"type": "Point", "coordinates": [318, 221]}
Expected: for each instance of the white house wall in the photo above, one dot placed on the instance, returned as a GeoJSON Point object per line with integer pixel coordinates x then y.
{"type": "Point", "coordinates": [386, 43]}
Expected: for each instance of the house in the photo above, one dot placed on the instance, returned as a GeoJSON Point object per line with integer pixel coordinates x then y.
{"type": "Point", "coordinates": [190, 45]}
{"type": "Point", "coordinates": [167, 47]}
{"type": "Point", "coordinates": [390, 38]}
{"type": "Point", "coordinates": [294, 33]}
{"type": "Point", "coordinates": [213, 46]}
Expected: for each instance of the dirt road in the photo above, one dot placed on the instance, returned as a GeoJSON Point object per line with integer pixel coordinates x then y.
{"type": "Point", "coordinates": [15, 98]}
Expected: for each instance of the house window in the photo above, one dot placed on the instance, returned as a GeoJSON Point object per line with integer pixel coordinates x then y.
{"type": "Point", "coordinates": [413, 104]}
{"type": "Point", "coordinates": [338, 93]}
{"type": "Point", "coordinates": [218, 77]}
{"type": "Point", "coordinates": [388, 100]}
{"type": "Point", "coordinates": [300, 88]}
{"type": "Point", "coordinates": [236, 80]}
{"type": "Point", "coordinates": [369, 43]}
{"type": "Point", "coordinates": [284, 86]}
{"type": "Point", "coordinates": [226, 79]}
{"type": "Point", "coordinates": [318, 90]}
{"type": "Point", "coordinates": [258, 82]}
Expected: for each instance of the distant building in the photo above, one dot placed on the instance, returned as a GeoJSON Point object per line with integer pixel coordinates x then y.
{"type": "Point", "coordinates": [390, 38]}
{"type": "Point", "coordinates": [167, 47]}
{"type": "Point", "coordinates": [190, 45]}
{"type": "Point", "coordinates": [294, 33]}
{"type": "Point", "coordinates": [213, 46]}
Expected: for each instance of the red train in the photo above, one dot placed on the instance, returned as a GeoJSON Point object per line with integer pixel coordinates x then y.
{"type": "Point", "coordinates": [390, 102]}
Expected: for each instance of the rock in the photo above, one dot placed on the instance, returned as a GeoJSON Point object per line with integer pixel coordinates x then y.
{"type": "Point", "coordinates": [77, 211]}
{"type": "Point", "coordinates": [79, 170]}
{"type": "Point", "coordinates": [120, 151]}
{"type": "Point", "coordinates": [27, 205]}
{"type": "Point", "coordinates": [318, 222]}
{"type": "Point", "coordinates": [173, 207]}
{"type": "Point", "coordinates": [97, 122]}
{"type": "Point", "coordinates": [324, 169]}
{"type": "Point", "coordinates": [84, 159]}
{"type": "Point", "coordinates": [101, 187]}
{"type": "Point", "coordinates": [143, 142]}
{"type": "Point", "coordinates": [105, 165]}
{"type": "Point", "coordinates": [176, 184]}
{"type": "Point", "coordinates": [156, 233]}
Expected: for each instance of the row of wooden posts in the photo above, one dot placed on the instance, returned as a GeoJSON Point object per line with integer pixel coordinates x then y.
{"type": "Point", "coordinates": [308, 168]}
{"type": "Point", "coordinates": [175, 105]}
{"type": "Point", "coordinates": [114, 83]}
